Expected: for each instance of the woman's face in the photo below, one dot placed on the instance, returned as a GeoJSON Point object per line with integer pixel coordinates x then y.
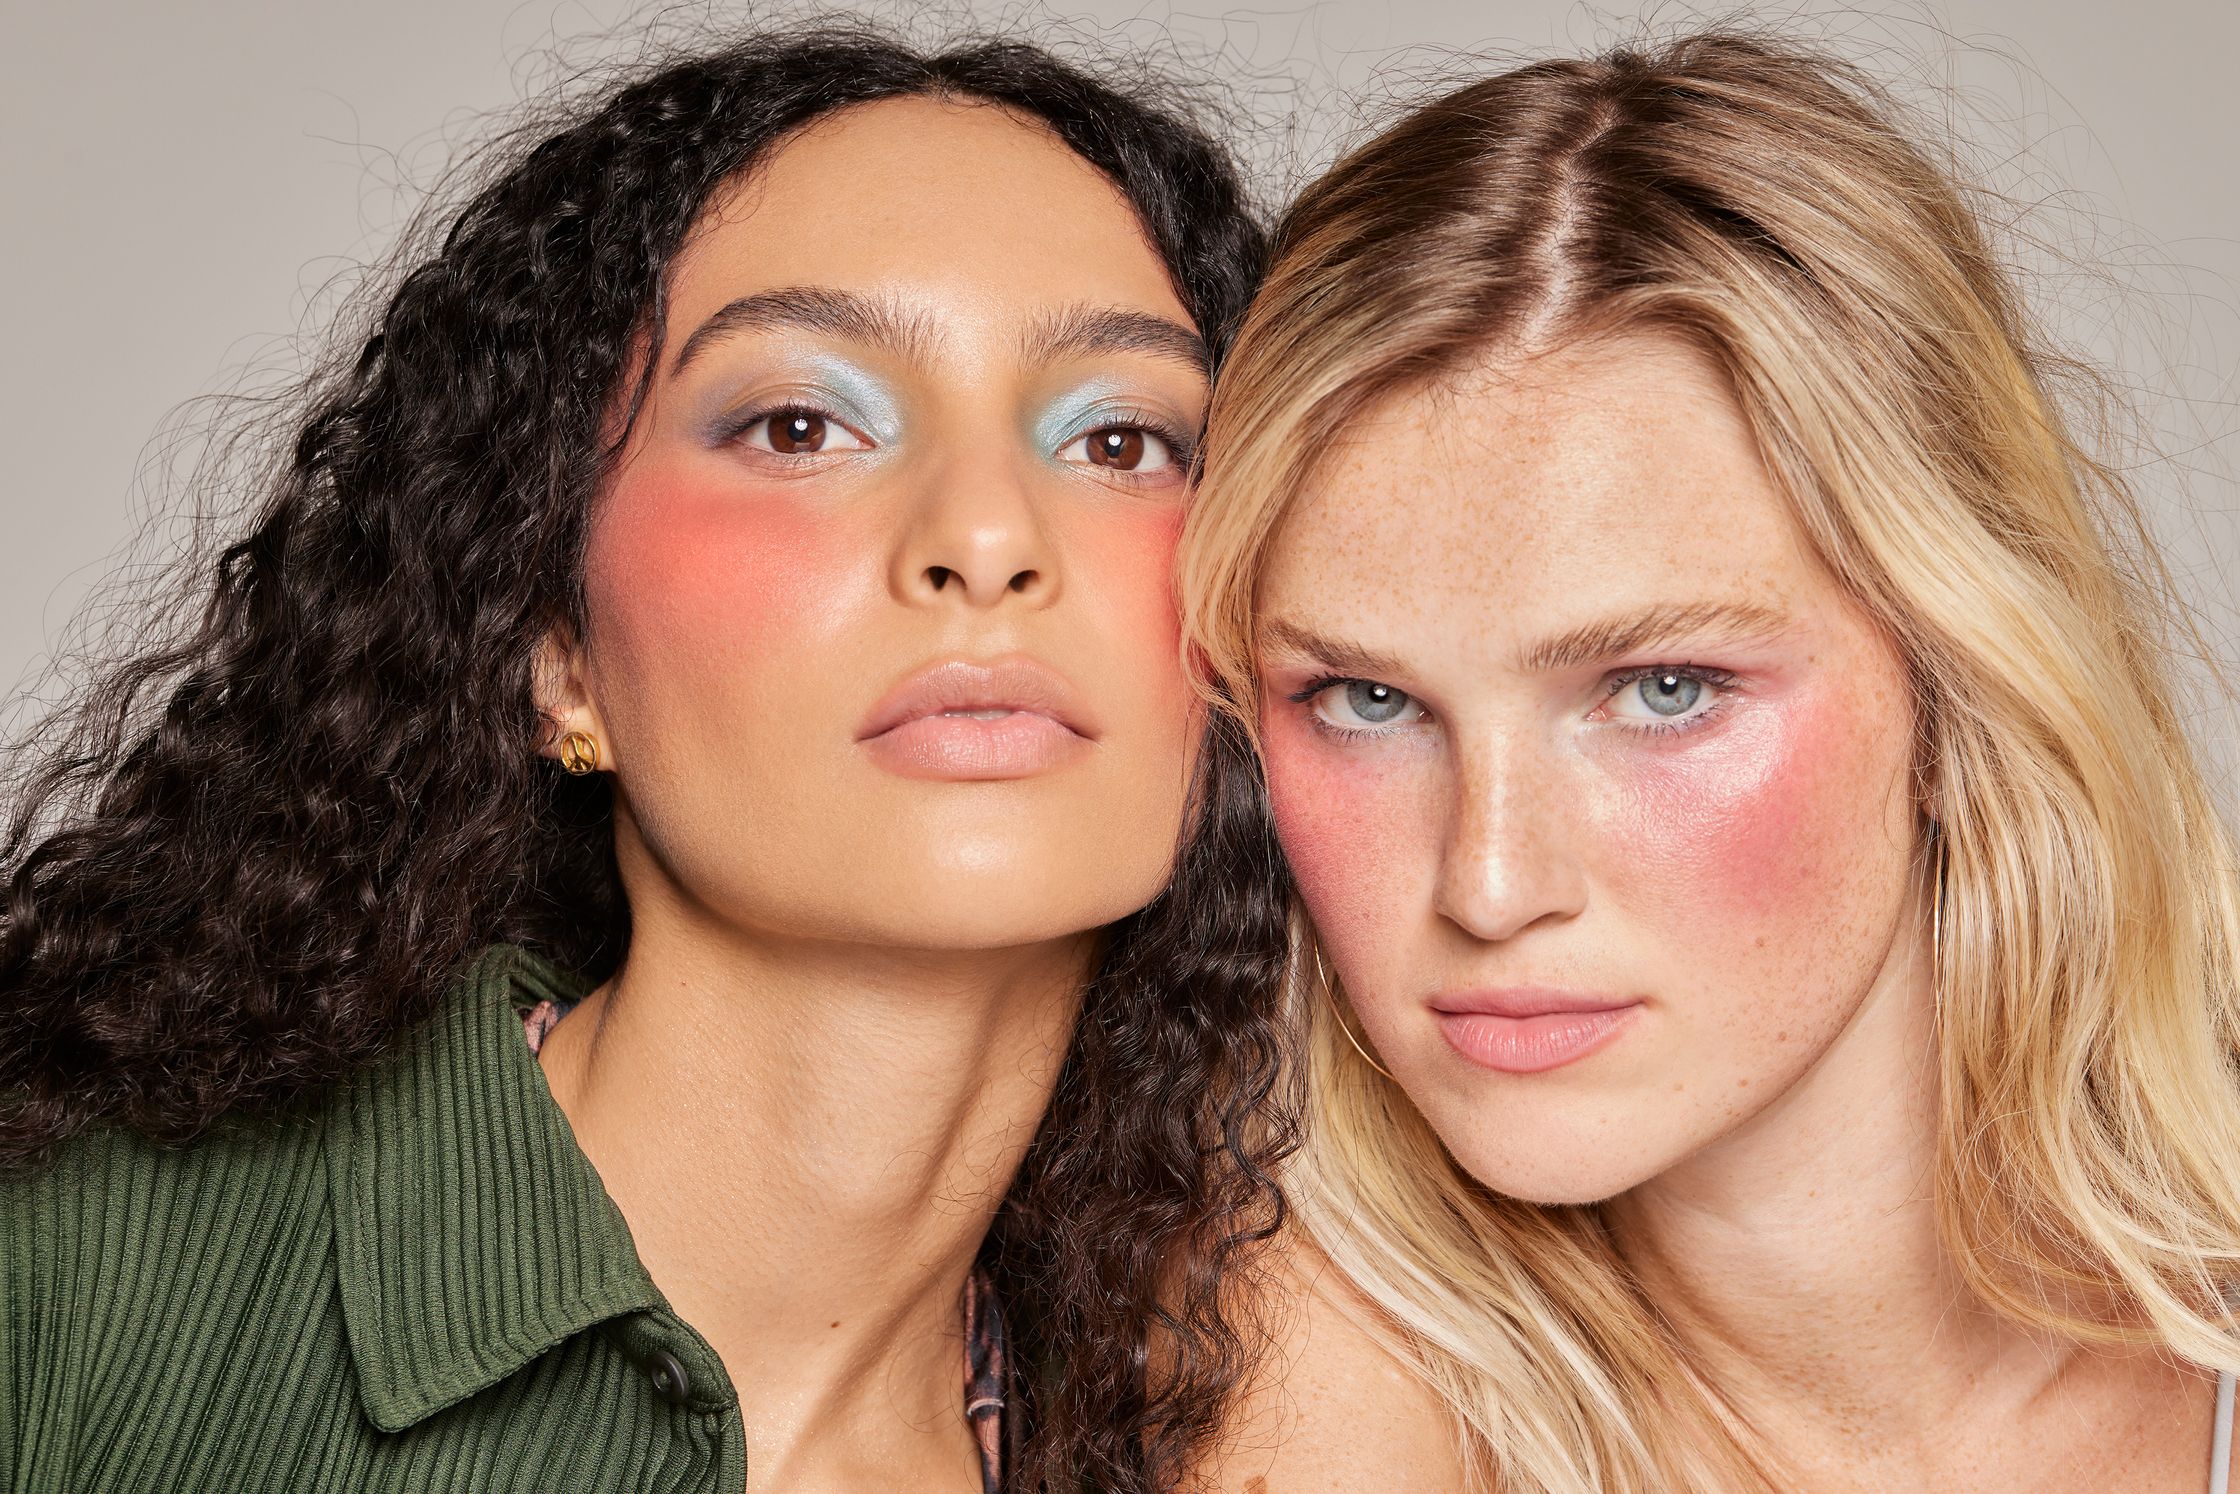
{"type": "Point", "coordinates": [1597, 787]}
{"type": "Point", "coordinates": [881, 644]}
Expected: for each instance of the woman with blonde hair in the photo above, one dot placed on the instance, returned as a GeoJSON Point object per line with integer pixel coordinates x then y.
{"type": "Point", "coordinates": [1772, 959]}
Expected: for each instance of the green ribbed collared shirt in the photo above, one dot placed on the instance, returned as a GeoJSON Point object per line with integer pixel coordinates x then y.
{"type": "Point", "coordinates": [422, 1288]}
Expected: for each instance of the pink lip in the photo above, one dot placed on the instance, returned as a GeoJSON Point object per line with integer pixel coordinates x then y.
{"type": "Point", "coordinates": [1009, 718]}
{"type": "Point", "coordinates": [1529, 1029]}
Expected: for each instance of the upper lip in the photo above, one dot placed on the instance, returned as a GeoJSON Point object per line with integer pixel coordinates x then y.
{"type": "Point", "coordinates": [1523, 1001]}
{"type": "Point", "coordinates": [1013, 683]}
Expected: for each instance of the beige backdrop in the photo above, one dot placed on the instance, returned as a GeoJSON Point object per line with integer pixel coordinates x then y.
{"type": "Point", "coordinates": [186, 188]}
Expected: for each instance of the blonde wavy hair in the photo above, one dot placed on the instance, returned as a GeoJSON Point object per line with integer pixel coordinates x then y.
{"type": "Point", "coordinates": [1767, 205]}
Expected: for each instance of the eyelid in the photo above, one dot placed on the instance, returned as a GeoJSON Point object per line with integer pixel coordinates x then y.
{"type": "Point", "coordinates": [831, 387]}
{"type": "Point", "coordinates": [1097, 403]}
{"type": "Point", "coordinates": [1316, 685]}
{"type": "Point", "coordinates": [1315, 688]}
{"type": "Point", "coordinates": [1323, 678]}
{"type": "Point", "coordinates": [1617, 679]}
{"type": "Point", "coordinates": [738, 422]}
{"type": "Point", "coordinates": [1720, 682]}
{"type": "Point", "coordinates": [1182, 445]}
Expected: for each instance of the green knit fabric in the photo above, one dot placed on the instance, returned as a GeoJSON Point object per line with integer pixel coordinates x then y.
{"type": "Point", "coordinates": [422, 1288]}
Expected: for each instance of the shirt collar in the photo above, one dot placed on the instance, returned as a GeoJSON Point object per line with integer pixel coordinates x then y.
{"type": "Point", "coordinates": [471, 1233]}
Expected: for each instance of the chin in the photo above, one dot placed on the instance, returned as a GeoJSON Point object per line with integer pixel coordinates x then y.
{"type": "Point", "coordinates": [959, 921]}
{"type": "Point", "coordinates": [984, 871]}
{"type": "Point", "coordinates": [996, 893]}
{"type": "Point", "coordinates": [1552, 1164]}
{"type": "Point", "coordinates": [1558, 1192]}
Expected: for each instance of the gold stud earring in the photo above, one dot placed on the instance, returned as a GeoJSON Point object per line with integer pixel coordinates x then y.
{"type": "Point", "coordinates": [579, 753]}
{"type": "Point", "coordinates": [1330, 994]}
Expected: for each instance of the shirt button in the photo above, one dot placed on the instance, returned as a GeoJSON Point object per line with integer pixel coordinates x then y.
{"type": "Point", "coordinates": [669, 1379]}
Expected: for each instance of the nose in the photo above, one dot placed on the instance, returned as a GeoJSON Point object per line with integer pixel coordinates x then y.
{"type": "Point", "coordinates": [1509, 861]}
{"type": "Point", "coordinates": [975, 537]}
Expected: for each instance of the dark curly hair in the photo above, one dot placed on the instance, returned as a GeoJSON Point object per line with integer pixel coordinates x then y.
{"type": "Point", "coordinates": [266, 847]}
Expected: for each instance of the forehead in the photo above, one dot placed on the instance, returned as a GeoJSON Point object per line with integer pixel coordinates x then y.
{"type": "Point", "coordinates": [947, 206]}
{"type": "Point", "coordinates": [1519, 493]}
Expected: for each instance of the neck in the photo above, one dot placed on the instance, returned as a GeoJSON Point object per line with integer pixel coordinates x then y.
{"type": "Point", "coordinates": [1799, 1258]}
{"type": "Point", "coordinates": [809, 1141]}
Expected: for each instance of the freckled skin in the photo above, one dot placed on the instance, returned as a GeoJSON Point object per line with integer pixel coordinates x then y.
{"type": "Point", "coordinates": [1744, 880]}
{"type": "Point", "coordinates": [745, 615]}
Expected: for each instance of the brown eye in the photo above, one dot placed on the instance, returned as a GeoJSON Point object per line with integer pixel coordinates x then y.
{"type": "Point", "coordinates": [1141, 455]}
{"type": "Point", "coordinates": [796, 432]}
{"type": "Point", "coordinates": [1120, 447]}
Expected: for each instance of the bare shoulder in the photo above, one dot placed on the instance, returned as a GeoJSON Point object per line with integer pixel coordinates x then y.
{"type": "Point", "coordinates": [1332, 1409]}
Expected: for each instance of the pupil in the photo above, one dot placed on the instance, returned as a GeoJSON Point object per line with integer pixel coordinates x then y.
{"type": "Point", "coordinates": [1372, 702]}
{"type": "Point", "coordinates": [1670, 694]}
{"type": "Point", "coordinates": [1121, 449]}
{"type": "Point", "coordinates": [797, 432]}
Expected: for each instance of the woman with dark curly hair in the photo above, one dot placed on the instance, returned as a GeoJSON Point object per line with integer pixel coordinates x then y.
{"type": "Point", "coordinates": [649, 907]}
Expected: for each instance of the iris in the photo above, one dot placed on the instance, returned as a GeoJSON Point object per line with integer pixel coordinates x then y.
{"type": "Point", "coordinates": [1373, 702]}
{"type": "Point", "coordinates": [1670, 694]}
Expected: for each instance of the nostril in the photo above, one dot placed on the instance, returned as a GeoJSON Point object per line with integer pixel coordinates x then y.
{"type": "Point", "coordinates": [1022, 581]}
{"type": "Point", "coordinates": [939, 575]}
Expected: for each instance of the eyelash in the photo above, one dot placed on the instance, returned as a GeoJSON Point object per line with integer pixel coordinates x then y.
{"type": "Point", "coordinates": [1716, 679]}
{"type": "Point", "coordinates": [1182, 444]}
{"type": "Point", "coordinates": [1305, 696]}
{"type": "Point", "coordinates": [746, 420]}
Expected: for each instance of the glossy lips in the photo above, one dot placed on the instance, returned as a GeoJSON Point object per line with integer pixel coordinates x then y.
{"type": "Point", "coordinates": [1011, 718]}
{"type": "Point", "coordinates": [1528, 1029]}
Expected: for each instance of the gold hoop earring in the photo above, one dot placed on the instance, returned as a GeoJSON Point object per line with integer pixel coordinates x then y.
{"type": "Point", "coordinates": [579, 753]}
{"type": "Point", "coordinates": [1330, 995]}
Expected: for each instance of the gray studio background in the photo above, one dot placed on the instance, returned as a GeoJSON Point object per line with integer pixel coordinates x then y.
{"type": "Point", "coordinates": [187, 189]}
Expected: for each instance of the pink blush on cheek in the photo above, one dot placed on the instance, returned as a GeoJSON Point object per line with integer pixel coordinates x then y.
{"type": "Point", "coordinates": [1129, 551]}
{"type": "Point", "coordinates": [1119, 559]}
{"type": "Point", "coordinates": [1758, 823]}
{"type": "Point", "coordinates": [683, 568]}
{"type": "Point", "coordinates": [1354, 829]}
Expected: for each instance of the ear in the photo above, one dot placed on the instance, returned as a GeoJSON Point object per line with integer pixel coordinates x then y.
{"type": "Point", "coordinates": [562, 692]}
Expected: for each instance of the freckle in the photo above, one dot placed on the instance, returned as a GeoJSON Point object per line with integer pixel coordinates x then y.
{"type": "Point", "coordinates": [1761, 941]}
{"type": "Point", "coordinates": [1742, 1084]}
{"type": "Point", "coordinates": [1782, 1036]}
{"type": "Point", "coordinates": [835, 1325]}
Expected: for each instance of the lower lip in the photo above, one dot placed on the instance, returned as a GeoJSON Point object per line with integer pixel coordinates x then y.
{"type": "Point", "coordinates": [976, 748]}
{"type": "Point", "coordinates": [1532, 1045]}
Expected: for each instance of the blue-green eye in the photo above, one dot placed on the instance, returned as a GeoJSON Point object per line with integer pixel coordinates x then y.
{"type": "Point", "coordinates": [1653, 698]}
{"type": "Point", "coordinates": [1669, 694]}
{"type": "Point", "coordinates": [1355, 704]}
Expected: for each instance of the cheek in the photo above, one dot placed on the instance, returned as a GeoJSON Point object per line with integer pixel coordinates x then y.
{"type": "Point", "coordinates": [1134, 548]}
{"type": "Point", "coordinates": [691, 579]}
{"type": "Point", "coordinates": [1785, 820]}
{"type": "Point", "coordinates": [1359, 832]}
{"type": "Point", "coordinates": [1124, 558]}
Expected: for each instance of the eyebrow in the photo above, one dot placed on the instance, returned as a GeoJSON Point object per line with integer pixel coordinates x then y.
{"type": "Point", "coordinates": [1607, 638]}
{"type": "Point", "coordinates": [1346, 658]}
{"type": "Point", "coordinates": [1085, 331]}
{"type": "Point", "coordinates": [813, 308]}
